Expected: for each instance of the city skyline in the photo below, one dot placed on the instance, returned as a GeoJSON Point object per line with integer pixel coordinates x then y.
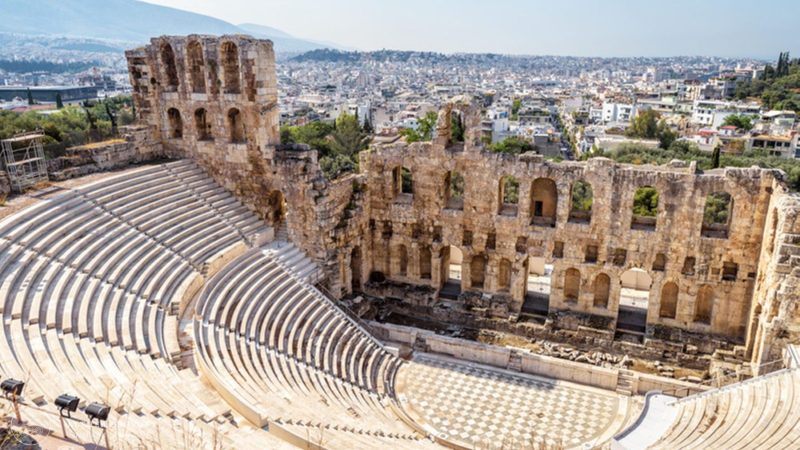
{"type": "Point", "coordinates": [607, 29]}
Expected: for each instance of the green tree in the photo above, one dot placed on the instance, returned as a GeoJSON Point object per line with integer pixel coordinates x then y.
{"type": "Point", "coordinates": [510, 190]}
{"type": "Point", "coordinates": [30, 97]}
{"type": "Point", "coordinates": [740, 121]}
{"type": "Point", "coordinates": [456, 128]}
{"type": "Point", "coordinates": [582, 196]}
{"type": "Point", "coordinates": [645, 202]}
{"type": "Point", "coordinates": [516, 105]}
{"type": "Point", "coordinates": [59, 102]}
{"type": "Point", "coordinates": [348, 138]}
{"type": "Point", "coordinates": [425, 127]}
{"type": "Point", "coordinates": [717, 209]}
{"type": "Point", "coordinates": [513, 145]}
{"type": "Point", "coordinates": [715, 157]}
{"type": "Point", "coordinates": [646, 125]}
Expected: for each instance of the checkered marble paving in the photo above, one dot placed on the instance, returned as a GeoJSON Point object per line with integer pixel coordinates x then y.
{"type": "Point", "coordinates": [487, 408]}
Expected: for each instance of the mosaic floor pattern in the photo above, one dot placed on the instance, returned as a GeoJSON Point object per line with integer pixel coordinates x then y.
{"type": "Point", "coordinates": [488, 408]}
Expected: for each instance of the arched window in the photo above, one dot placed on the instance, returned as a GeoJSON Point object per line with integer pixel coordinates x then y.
{"type": "Point", "coordinates": [669, 300]}
{"type": "Point", "coordinates": [717, 215]}
{"type": "Point", "coordinates": [660, 262]}
{"type": "Point", "coordinates": [194, 52]}
{"type": "Point", "coordinates": [456, 127]}
{"type": "Point", "coordinates": [704, 305]}
{"type": "Point", "coordinates": [236, 126]}
{"type": "Point", "coordinates": [230, 68]}
{"type": "Point", "coordinates": [175, 123]}
{"type": "Point", "coordinates": [645, 208]}
{"type": "Point", "coordinates": [202, 126]}
{"type": "Point", "coordinates": [504, 276]}
{"type": "Point", "coordinates": [170, 70]}
{"type": "Point", "coordinates": [602, 289]}
{"type": "Point", "coordinates": [544, 202]}
{"type": "Point", "coordinates": [508, 196]}
{"type": "Point", "coordinates": [581, 205]}
{"type": "Point", "coordinates": [477, 270]}
{"type": "Point", "coordinates": [454, 190]}
{"type": "Point", "coordinates": [572, 285]}
{"type": "Point", "coordinates": [425, 263]}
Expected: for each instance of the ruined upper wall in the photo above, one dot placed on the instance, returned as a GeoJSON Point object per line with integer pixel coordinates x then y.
{"type": "Point", "coordinates": [213, 99]}
{"type": "Point", "coordinates": [673, 247]}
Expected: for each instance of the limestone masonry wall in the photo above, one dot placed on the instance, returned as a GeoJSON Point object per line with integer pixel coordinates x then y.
{"type": "Point", "coordinates": [416, 208]}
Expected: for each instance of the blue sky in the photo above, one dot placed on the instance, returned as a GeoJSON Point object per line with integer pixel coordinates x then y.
{"type": "Point", "coordinates": [760, 28]}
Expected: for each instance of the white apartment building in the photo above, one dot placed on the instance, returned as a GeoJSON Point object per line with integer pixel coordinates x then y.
{"type": "Point", "coordinates": [618, 112]}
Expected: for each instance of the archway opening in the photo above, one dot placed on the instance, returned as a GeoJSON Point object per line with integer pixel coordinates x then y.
{"type": "Point", "coordinates": [544, 202]}
{"type": "Point", "coordinates": [230, 68]}
{"type": "Point", "coordinates": [477, 271]}
{"type": "Point", "coordinates": [602, 290]}
{"type": "Point", "coordinates": [355, 269]}
{"type": "Point", "coordinates": [425, 263]}
{"type": "Point", "coordinates": [537, 287]}
{"type": "Point", "coordinates": [668, 307]}
{"type": "Point", "coordinates": [451, 259]}
{"type": "Point", "coordinates": [717, 215]}
{"type": "Point", "coordinates": [454, 190]}
{"type": "Point", "coordinates": [202, 125]}
{"type": "Point", "coordinates": [634, 297]}
{"type": "Point", "coordinates": [236, 126]}
{"type": "Point", "coordinates": [277, 205]}
{"type": "Point", "coordinates": [170, 69]}
{"type": "Point", "coordinates": [197, 71]}
{"type": "Point", "coordinates": [175, 123]}
{"type": "Point", "coordinates": [504, 276]}
{"type": "Point", "coordinates": [508, 196]}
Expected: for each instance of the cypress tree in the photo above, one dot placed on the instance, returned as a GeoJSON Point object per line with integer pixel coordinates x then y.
{"type": "Point", "coordinates": [715, 157]}
{"type": "Point", "coordinates": [30, 97]}
{"type": "Point", "coordinates": [59, 102]}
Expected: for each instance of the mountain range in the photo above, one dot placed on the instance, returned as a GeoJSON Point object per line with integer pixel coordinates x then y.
{"type": "Point", "coordinates": [129, 21]}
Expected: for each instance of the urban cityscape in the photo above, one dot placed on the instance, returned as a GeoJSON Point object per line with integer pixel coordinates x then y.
{"type": "Point", "coordinates": [218, 234]}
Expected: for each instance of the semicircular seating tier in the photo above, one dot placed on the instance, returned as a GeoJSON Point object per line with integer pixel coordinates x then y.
{"type": "Point", "coordinates": [285, 356]}
{"type": "Point", "coordinates": [760, 413]}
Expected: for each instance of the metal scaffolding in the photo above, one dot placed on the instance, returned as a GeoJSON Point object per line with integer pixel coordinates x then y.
{"type": "Point", "coordinates": [23, 158]}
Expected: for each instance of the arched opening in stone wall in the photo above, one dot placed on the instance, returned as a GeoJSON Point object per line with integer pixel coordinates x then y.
{"type": "Point", "coordinates": [508, 196]}
{"type": "Point", "coordinates": [400, 256]}
{"type": "Point", "coordinates": [170, 69]}
{"type": "Point", "coordinates": [454, 190]}
{"type": "Point", "coordinates": [457, 127]}
{"type": "Point", "coordinates": [236, 126]}
{"type": "Point", "coordinates": [581, 202]}
{"type": "Point", "coordinates": [537, 287]}
{"type": "Point", "coordinates": [504, 276]}
{"type": "Point", "coordinates": [477, 271]}
{"type": "Point", "coordinates": [425, 265]}
{"type": "Point", "coordinates": [544, 202]}
{"type": "Point", "coordinates": [230, 68]}
{"type": "Point", "coordinates": [572, 285]}
{"type": "Point", "coordinates": [355, 269]}
{"type": "Point", "coordinates": [197, 71]}
{"type": "Point", "coordinates": [202, 125]}
{"type": "Point", "coordinates": [668, 307]}
{"type": "Point", "coordinates": [602, 290]}
{"type": "Point", "coordinates": [451, 259]}
{"type": "Point", "coordinates": [645, 209]}
{"type": "Point", "coordinates": [717, 215]}
{"type": "Point", "coordinates": [277, 205]}
{"type": "Point", "coordinates": [704, 305]}
{"type": "Point", "coordinates": [175, 123]}
{"type": "Point", "coordinates": [660, 262]}
{"type": "Point", "coordinates": [634, 297]}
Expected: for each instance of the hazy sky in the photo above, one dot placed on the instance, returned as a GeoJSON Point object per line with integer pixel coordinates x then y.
{"type": "Point", "coordinates": [760, 28]}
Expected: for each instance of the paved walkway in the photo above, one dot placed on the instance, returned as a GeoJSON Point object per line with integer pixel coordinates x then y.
{"type": "Point", "coordinates": [483, 407]}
